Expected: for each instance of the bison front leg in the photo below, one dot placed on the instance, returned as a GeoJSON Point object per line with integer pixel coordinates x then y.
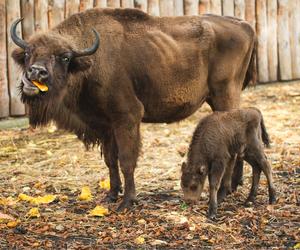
{"type": "Point", "coordinates": [110, 151]}
{"type": "Point", "coordinates": [128, 141]}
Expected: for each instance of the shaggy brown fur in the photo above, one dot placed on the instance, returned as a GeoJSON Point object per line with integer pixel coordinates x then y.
{"type": "Point", "coordinates": [150, 69]}
{"type": "Point", "coordinates": [217, 140]}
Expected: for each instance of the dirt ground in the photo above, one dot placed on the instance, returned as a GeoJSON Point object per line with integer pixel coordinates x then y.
{"type": "Point", "coordinates": [46, 161]}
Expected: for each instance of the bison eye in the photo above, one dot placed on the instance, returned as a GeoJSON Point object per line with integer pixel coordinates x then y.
{"type": "Point", "coordinates": [65, 59]}
{"type": "Point", "coordinates": [26, 54]}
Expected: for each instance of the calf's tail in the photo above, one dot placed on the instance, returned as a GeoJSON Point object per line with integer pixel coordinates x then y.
{"type": "Point", "coordinates": [264, 133]}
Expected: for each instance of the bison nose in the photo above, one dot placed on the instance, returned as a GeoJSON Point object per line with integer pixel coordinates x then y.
{"type": "Point", "coordinates": [37, 72]}
{"type": "Point", "coordinates": [193, 187]}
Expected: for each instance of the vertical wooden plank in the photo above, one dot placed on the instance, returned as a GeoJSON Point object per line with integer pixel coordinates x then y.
{"type": "Point", "coordinates": [56, 12]}
{"type": "Point", "coordinates": [216, 7]}
{"type": "Point", "coordinates": [166, 7]}
{"type": "Point", "coordinates": [86, 4]}
{"type": "Point", "coordinates": [12, 13]}
{"type": "Point", "coordinates": [41, 15]}
{"type": "Point", "coordinates": [228, 7]}
{"type": "Point", "coordinates": [153, 7]}
{"type": "Point", "coordinates": [141, 4]}
{"type": "Point", "coordinates": [113, 3]}
{"type": "Point", "coordinates": [283, 35]}
{"type": "Point", "coordinates": [272, 39]}
{"type": "Point", "coordinates": [27, 11]}
{"type": "Point", "coordinates": [250, 12]}
{"type": "Point", "coordinates": [191, 7]}
{"type": "Point", "coordinates": [4, 97]}
{"type": "Point", "coordinates": [262, 35]}
{"type": "Point", "coordinates": [100, 3]}
{"type": "Point", "coordinates": [72, 7]}
{"type": "Point", "coordinates": [239, 8]}
{"type": "Point", "coordinates": [127, 3]}
{"type": "Point", "coordinates": [295, 37]}
{"type": "Point", "coordinates": [204, 6]}
{"type": "Point", "coordinates": [178, 8]}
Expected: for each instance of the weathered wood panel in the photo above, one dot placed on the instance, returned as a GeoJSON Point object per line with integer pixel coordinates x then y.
{"type": "Point", "coordinates": [72, 7]}
{"type": "Point", "coordinates": [153, 7]}
{"type": "Point", "coordinates": [141, 4]}
{"type": "Point", "coordinates": [191, 7]}
{"type": "Point", "coordinates": [295, 36]}
{"type": "Point", "coordinates": [262, 33]}
{"type": "Point", "coordinates": [284, 47]}
{"type": "Point", "coordinates": [166, 7]}
{"type": "Point", "coordinates": [100, 3]}
{"type": "Point", "coordinates": [239, 8]}
{"type": "Point", "coordinates": [204, 6]}
{"type": "Point", "coordinates": [13, 13]}
{"type": "Point", "coordinates": [113, 3]}
{"type": "Point", "coordinates": [228, 7]}
{"type": "Point", "coordinates": [216, 7]}
{"type": "Point", "coordinates": [272, 39]}
{"type": "Point", "coordinates": [250, 12]}
{"type": "Point", "coordinates": [56, 12]}
{"type": "Point", "coordinates": [41, 15]}
{"type": "Point", "coordinates": [86, 4]}
{"type": "Point", "coordinates": [127, 3]}
{"type": "Point", "coordinates": [27, 11]}
{"type": "Point", "coordinates": [4, 97]}
{"type": "Point", "coordinates": [178, 8]}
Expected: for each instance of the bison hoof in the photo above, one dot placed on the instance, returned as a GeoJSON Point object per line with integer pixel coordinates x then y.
{"type": "Point", "coordinates": [272, 200]}
{"type": "Point", "coordinates": [110, 198]}
{"type": "Point", "coordinates": [126, 205]}
{"type": "Point", "coordinates": [249, 202]}
{"type": "Point", "coordinates": [212, 215]}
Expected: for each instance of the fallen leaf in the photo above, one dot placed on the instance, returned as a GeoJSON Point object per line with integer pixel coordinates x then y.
{"type": "Point", "coordinates": [105, 184]}
{"type": "Point", "coordinates": [86, 194]}
{"type": "Point", "coordinates": [12, 224]}
{"type": "Point", "coordinates": [46, 199]}
{"type": "Point", "coordinates": [297, 246]}
{"type": "Point", "coordinates": [9, 201]}
{"type": "Point", "coordinates": [99, 211]}
{"type": "Point", "coordinates": [158, 242]}
{"type": "Point", "coordinates": [33, 213]}
{"type": "Point", "coordinates": [139, 240]}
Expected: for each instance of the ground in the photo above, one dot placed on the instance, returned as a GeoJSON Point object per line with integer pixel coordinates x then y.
{"type": "Point", "coordinates": [45, 161]}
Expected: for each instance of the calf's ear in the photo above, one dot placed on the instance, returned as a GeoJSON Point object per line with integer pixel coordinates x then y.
{"type": "Point", "coordinates": [18, 56]}
{"type": "Point", "coordinates": [79, 64]}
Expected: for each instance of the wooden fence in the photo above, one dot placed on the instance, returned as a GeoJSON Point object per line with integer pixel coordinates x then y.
{"type": "Point", "coordinates": [277, 23]}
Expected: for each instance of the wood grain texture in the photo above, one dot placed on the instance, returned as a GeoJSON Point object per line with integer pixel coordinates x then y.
{"type": "Point", "coordinates": [56, 12]}
{"type": "Point", "coordinates": [166, 7]}
{"type": "Point", "coordinates": [239, 8]}
{"type": "Point", "coordinates": [41, 15]}
{"type": "Point", "coordinates": [191, 7]}
{"type": "Point", "coordinates": [113, 3]}
{"type": "Point", "coordinates": [153, 7]}
{"type": "Point", "coordinates": [27, 11]}
{"type": "Point", "coordinates": [178, 8]}
{"type": "Point", "coordinates": [216, 7]}
{"type": "Point", "coordinates": [250, 12]}
{"type": "Point", "coordinates": [72, 7]}
{"type": "Point", "coordinates": [141, 4]}
{"type": "Point", "coordinates": [127, 3]}
{"type": "Point", "coordinates": [228, 7]}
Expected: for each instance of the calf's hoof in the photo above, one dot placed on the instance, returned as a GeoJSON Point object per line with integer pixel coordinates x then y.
{"type": "Point", "coordinates": [126, 205]}
{"type": "Point", "coordinates": [109, 198]}
{"type": "Point", "coordinates": [272, 200]}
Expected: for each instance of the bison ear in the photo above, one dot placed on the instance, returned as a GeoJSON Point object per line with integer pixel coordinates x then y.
{"type": "Point", "coordinates": [19, 56]}
{"type": "Point", "coordinates": [183, 167]}
{"type": "Point", "coordinates": [78, 64]}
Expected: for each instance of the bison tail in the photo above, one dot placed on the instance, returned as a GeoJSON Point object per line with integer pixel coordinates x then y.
{"type": "Point", "coordinates": [264, 133]}
{"type": "Point", "coordinates": [251, 74]}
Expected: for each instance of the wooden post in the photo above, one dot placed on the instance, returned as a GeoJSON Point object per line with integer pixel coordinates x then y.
{"type": "Point", "coordinates": [228, 7]}
{"type": "Point", "coordinates": [272, 39]}
{"type": "Point", "coordinates": [166, 7]}
{"type": "Point", "coordinates": [283, 35]}
{"type": "Point", "coordinates": [216, 7]}
{"type": "Point", "coordinates": [141, 4]}
{"type": "Point", "coordinates": [56, 12]}
{"type": "Point", "coordinates": [204, 6]}
{"type": "Point", "coordinates": [239, 8]}
{"type": "Point", "coordinates": [113, 3]}
{"type": "Point", "coordinates": [295, 37]}
{"type": "Point", "coordinates": [262, 35]}
{"type": "Point", "coordinates": [27, 11]}
{"type": "Point", "coordinates": [127, 3]}
{"type": "Point", "coordinates": [41, 15]}
{"type": "Point", "coordinates": [178, 8]}
{"type": "Point", "coordinates": [86, 4]}
{"type": "Point", "coordinates": [72, 7]}
{"type": "Point", "coordinates": [101, 3]}
{"type": "Point", "coordinates": [250, 12]}
{"type": "Point", "coordinates": [4, 97]}
{"type": "Point", "coordinates": [12, 13]}
{"type": "Point", "coordinates": [153, 7]}
{"type": "Point", "coordinates": [191, 7]}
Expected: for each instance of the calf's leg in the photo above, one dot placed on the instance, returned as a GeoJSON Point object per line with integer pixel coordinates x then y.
{"type": "Point", "coordinates": [110, 151]}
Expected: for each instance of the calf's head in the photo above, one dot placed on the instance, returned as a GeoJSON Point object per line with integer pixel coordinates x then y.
{"type": "Point", "coordinates": [47, 60]}
{"type": "Point", "coordinates": [192, 181]}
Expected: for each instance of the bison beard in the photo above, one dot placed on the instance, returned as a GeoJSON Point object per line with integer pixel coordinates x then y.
{"type": "Point", "coordinates": [146, 69]}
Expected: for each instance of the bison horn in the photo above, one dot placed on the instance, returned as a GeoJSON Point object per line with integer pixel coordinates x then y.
{"type": "Point", "coordinates": [91, 50]}
{"type": "Point", "coordinates": [13, 33]}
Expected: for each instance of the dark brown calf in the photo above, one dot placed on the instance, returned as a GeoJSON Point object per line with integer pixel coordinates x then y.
{"type": "Point", "coordinates": [217, 140]}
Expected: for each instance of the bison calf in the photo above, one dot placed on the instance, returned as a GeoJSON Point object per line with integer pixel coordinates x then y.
{"type": "Point", "coordinates": [217, 140]}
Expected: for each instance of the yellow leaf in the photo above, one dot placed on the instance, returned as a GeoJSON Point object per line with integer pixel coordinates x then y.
{"type": "Point", "coordinates": [25, 197]}
{"type": "Point", "coordinates": [99, 211]}
{"type": "Point", "coordinates": [297, 246]}
{"type": "Point", "coordinates": [105, 184]}
{"type": "Point", "coordinates": [139, 240]}
{"type": "Point", "coordinates": [13, 224]}
{"type": "Point", "coordinates": [38, 200]}
{"type": "Point", "coordinates": [9, 201]}
{"type": "Point", "coordinates": [33, 213]}
{"type": "Point", "coordinates": [85, 194]}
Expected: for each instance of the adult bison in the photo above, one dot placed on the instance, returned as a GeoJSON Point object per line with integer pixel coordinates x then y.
{"type": "Point", "coordinates": [146, 69]}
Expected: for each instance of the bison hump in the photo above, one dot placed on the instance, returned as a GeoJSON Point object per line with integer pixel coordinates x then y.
{"type": "Point", "coordinates": [128, 14]}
